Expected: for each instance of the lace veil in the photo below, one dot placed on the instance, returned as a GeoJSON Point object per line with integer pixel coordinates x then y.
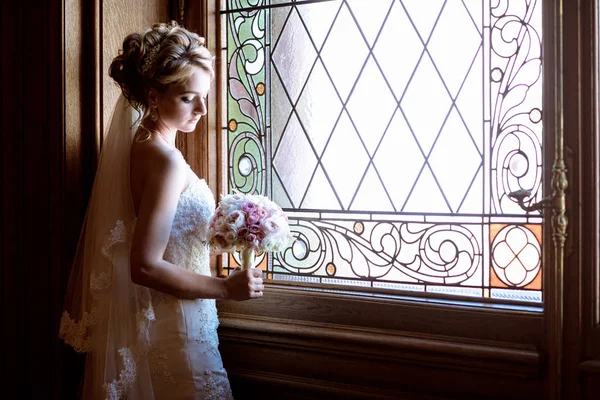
{"type": "Point", "coordinates": [106, 315]}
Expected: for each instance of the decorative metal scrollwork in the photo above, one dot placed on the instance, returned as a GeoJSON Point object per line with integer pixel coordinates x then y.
{"type": "Point", "coordinates": [556, 201]}
{"type": "Point", "coordinates": [422, 253]}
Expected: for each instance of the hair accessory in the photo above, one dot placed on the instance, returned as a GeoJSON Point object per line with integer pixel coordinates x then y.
{"type": "Point", "coordinates": [149, 59]}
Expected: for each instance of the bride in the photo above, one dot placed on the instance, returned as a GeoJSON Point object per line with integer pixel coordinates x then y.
{"type": "Point", "coordinates": [140, 301]}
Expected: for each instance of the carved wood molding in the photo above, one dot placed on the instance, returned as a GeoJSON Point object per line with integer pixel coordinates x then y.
{"type": "Point", "coordinates": [331, 364]}
{"type": "Point", "coordinates": [556, 181]}
{"type": "Point", "coordinates": [293, 387]}
{"type": "Point", "coordinates": [591, 367]}
{"type": "Point", "coordinates": [384, 345]}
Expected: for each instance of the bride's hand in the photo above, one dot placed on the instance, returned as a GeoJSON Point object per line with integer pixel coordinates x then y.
{"type": "Point", "coordinates": [244, 284]}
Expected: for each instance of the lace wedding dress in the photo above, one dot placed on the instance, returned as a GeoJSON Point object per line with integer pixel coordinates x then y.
{"type": "Point", "coordinates": [184, 356]}
{"type": "Point", "coordinates": [141, 344]}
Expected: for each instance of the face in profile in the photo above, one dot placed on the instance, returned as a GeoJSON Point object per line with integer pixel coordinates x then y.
{"type": "Point", "coordinates": [182, 105]}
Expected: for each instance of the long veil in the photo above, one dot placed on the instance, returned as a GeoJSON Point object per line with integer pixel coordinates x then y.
{"type": "Point", "coordinates": [106, 315]}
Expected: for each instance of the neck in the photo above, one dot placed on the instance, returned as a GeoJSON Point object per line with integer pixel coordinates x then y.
{"type": "Point", "coordinates": [160, 129]}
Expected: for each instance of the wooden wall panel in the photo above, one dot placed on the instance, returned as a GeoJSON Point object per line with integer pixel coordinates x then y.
{"type": "Point", "coordinates": [199, 147]}
{"type": "Point", "coordinates": [323, 366]}
{"type": "Point", "coordinates": [581, 347]}
{"type": "Point", "coordinates": [120, 18]}
{"type": "Point", "coordinates": [78, 147]}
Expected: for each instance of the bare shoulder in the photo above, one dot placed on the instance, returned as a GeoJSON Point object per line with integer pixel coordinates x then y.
{"type": "Point", "coordinates": [152, 152]}
{"type": "Point", "coordinates": [153, 161]}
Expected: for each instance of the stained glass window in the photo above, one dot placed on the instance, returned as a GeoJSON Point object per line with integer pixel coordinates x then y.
{"type": "Point", "coordinates": [391, 132]}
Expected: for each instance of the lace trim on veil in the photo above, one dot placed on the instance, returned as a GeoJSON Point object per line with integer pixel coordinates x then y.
{"type": "Point", "coordinates": [76, 333]}
{"type": "Point", "coordinates": [118, 387]}
{"type": "Point", "coordinates": [79, 334]}
{"type": "Point", "coordinates": [127, 376]}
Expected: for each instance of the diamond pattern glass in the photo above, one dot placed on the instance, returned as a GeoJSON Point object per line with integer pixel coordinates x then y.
{"type": "Point", "coordinates": [370, 16]}
{"type": "Point", "coordinates": [318, 20]}
{"type": "Point", "coordinates": [392, 132]}
{"type": "Point", "coordinates": [296, 54]}
{"type": "Point", "coordinates": [455, 174]}
{"type": "Point", "coordinates": [398, 49]}
{"type": "Point", "coordinates": [319, 107]}
{"type": "Point", "coordinates": [371, 118]}
{"type": "Point", "coordinates": [426, 95]}
{"type": "Point", "coordinates": [294, 161]}
{"type": "Point", "coordinates": [344, 52]}
{"type": "Point", "coordinates": [399, 152]}
{"type": "Point", "coordinates": [454, 44]}
{"type": "Point", "coordinates": [345, 160]}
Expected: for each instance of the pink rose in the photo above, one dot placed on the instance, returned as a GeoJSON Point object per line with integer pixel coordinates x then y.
{"type": "Point", "coordinates": [254, 228]}
{"type": "Point", "coordinates": [242, 232]}
{"type": "Point", "coordinates": [251, 237]}
{"type": "Point", "coordinates": [249, 206]}
{"type": "Point", "coordinates": [252, 218]}
{"type": "Point", "coordinates": [262, 213]}
{"type": "Point", "coordinates": [260, 236]}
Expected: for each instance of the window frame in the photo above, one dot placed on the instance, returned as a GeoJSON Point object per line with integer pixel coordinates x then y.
{"type": "Point", "coordinates": [426, 294]}
{"type": "Point", "coordinates": [427, 328]}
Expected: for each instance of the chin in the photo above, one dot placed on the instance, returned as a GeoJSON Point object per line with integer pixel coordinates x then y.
{"type": "Point", "coordinates": [189, 128]}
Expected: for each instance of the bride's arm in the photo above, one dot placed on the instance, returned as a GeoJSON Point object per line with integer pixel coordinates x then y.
{"type": "Point", "coordinates": [162, 188]}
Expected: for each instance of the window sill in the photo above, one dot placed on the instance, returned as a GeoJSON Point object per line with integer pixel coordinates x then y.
{"type": "Point", "coordinates": [455, 320]}
{"type": "Point", "coordinates": [386, 330]}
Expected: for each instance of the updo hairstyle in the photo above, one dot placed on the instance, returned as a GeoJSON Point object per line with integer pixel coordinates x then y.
{"type": "Point", "coordinates": [158, 58]}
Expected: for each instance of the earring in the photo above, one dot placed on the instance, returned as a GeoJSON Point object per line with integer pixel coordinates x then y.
{"type": "Point", "coordinates": [153, 114]}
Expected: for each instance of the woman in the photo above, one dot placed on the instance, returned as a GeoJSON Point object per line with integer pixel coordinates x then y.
{"type": "Point", "coordinates": [141, 298]}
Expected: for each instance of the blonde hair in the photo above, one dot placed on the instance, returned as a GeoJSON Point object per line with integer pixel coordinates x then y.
{"type": "Point", "coordinates": [160, 57]}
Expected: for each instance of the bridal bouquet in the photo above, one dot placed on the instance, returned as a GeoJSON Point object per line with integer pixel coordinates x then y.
{"type": "Point", "coordinates": [249, 224]}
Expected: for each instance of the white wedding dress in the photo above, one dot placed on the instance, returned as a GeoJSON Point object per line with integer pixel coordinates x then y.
{"type": "Point", "coordinates": [141, 344]}
{"type": "Point", "coordinates": [184, 358]}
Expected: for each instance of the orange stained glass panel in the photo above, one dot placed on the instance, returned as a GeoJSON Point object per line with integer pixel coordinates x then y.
{"type": "Point", "coordinates": [536, 284]}
{"type": "Point", "coordinates": [495, 281]}
{"type": "Point", "coordinates": [494, 229]}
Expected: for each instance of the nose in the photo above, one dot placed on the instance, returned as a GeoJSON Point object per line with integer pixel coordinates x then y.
{"type": "Point", "coordinates": [200, 107]}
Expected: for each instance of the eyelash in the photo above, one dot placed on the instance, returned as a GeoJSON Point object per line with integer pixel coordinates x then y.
{"type": "Point", "coordinates": [188, 101]}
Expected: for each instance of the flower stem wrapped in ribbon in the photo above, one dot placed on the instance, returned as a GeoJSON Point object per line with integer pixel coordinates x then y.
{"type": "Point", "coordinates": [249, 224]}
